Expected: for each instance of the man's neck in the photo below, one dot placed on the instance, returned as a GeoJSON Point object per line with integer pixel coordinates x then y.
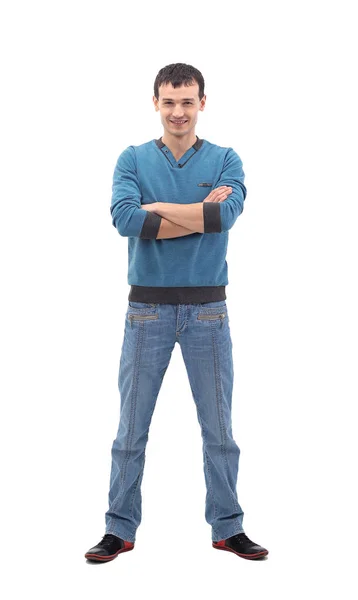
{"type": "Point", "coordinates": [179, 145]}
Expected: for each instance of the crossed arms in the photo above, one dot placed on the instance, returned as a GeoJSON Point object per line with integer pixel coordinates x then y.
{"type": "Point", "coordinates": [168, 220]}
{"type": "Point", "coordinates": [184, 219]}
{"type": "Point", "coordinates": [188, 216]}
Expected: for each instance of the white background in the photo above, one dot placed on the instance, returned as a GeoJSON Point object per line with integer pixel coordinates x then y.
{"type": "Point", "coordinates": [77, 85]}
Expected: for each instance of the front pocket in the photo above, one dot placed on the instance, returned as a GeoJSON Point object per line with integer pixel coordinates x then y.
{"type": "Point", "coordinates": [219, 316]}
{"type": "Point", "coordinates": [132, 317]}
{"type": "Point", "coordinates": [215, 317]}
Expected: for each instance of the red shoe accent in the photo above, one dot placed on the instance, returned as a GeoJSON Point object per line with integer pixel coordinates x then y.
{"type": "Point", "coordinates": [221, 545]}
{"type": "Point", "coordinates": [127, 546]}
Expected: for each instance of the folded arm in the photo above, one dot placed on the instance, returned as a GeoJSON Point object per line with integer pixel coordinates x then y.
{"type": "Point", "coordinates": [211, 217]}
{"type": "Point", "coordinates": [190, 216]}
{"type": "Point", "coordinates": [168, 229]}
{"type": "Point", "coordinates": [132, 219]}
{"type": "Point", "coordinates": [129, 216]}
{"type": "Point", "coordinates": [202, 217]}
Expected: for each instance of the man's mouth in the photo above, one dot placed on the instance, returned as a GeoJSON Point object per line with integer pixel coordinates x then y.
{"type": "Point", "coordinates": [179, 122]}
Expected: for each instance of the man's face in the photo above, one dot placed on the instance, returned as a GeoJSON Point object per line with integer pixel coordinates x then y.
{"type": "Point", "coordinates": [179, 107]}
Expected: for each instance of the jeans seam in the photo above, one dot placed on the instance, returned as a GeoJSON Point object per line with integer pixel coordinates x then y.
{"type": "Point", "coordinates": [220, 408]}
{"type": "Point", "coordinates": [135, 488]}
{"type": "Point", "coordinates": [133, 404]}
{"type": "Point", "coordinates": [208, 467]}
{"type": "Point", "coordinates": [142, 469]}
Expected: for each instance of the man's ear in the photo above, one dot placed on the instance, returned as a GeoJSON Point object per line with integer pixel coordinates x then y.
{"type": "Point", "coordinates": [202, 102]}
{"type": "Point", "coordinates": [155, 102]}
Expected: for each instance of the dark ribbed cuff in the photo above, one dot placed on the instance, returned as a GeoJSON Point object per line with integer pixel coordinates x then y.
{"type": "Point", "coordinates": [212, 217]}
{"type": "Point", "coordinates": [150, 226]}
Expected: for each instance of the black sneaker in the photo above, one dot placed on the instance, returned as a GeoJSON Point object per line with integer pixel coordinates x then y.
{"type": "Point", "coordinates": [242, 546]}
{"type": "Point", "coordinates": [108, 548]}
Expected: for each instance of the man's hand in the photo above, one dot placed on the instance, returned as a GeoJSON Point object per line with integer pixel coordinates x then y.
{"type": "Point", "coordinates": [219, 194]}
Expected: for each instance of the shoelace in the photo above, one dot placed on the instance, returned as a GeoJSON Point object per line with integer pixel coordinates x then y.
{"type": "Point", "coordinates": [241, 538]}
{"type": "Point", "coordinates": [107, 539]}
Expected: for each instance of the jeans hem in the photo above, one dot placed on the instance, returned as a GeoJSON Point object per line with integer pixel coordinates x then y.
{"type": "Point", "coordinates": [227, 536]}
{"type": "Point", "coordinates": [124, 536]}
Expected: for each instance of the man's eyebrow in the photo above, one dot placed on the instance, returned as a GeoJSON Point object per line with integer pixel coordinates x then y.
{"type": "Point", "coordinates": [182, 99]}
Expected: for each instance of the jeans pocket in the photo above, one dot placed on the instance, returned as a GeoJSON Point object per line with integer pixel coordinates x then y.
{"type": "Point", "coordinates": [213, 311]}
{"type": "Point", "coordinates": [142, 311]}
{"type": "Point", "coordinates": [140, 317]}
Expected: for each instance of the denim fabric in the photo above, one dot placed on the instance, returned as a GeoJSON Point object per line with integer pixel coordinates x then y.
{"type": "Point", "coordinates": [203, 333]}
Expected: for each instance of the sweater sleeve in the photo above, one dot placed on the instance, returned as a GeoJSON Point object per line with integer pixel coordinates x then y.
{"type": "Point", "coordinates": [221, 216]}
{"type": "Point", "coordinates": [127, 215]}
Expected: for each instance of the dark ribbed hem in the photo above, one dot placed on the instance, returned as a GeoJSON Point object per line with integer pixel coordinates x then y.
{"type": "Point", "coordinates": [150, 226]}
{"type": "Point", "coordinates": [212, 217]}
{"type": "Point", "coordinates": [176, 295]}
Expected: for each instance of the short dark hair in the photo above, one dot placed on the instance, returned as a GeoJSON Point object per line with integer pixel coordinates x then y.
{"type": "Point", "coordinates": [179, 74]}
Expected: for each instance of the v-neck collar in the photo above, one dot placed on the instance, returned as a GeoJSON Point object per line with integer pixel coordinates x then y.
{"type": "Point", "coordinates": [183, 159]}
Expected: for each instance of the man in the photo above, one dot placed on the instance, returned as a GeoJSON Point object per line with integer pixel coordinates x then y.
{"type": "Point", "coordinates": [176, 198]}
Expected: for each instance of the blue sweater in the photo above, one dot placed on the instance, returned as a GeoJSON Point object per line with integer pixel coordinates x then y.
{"type": "Point", "coordinates": [187, 269]}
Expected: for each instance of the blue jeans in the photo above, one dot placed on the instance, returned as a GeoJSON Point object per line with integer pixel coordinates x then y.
{"type": "Point", "coordinates": [203, 333]}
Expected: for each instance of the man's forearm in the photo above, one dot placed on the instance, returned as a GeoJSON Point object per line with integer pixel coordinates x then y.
{"type": "Point", "coordinates": [189, 216]}
{"type": "Point", "coordinates": [168, 229]}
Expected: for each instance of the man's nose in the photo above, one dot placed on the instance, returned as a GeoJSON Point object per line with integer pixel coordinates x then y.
{"type": "Point", "coordinates": [178, 112]}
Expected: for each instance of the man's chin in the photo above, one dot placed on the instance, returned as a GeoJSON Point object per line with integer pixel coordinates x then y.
{"type": "Point", "coordinates": [179, 132]}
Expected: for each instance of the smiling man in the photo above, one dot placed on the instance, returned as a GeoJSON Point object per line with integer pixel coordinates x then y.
{"type": "Point", "coordinates": [179, 108]}
{"type": "Point", "coordinates": [176, 198]}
